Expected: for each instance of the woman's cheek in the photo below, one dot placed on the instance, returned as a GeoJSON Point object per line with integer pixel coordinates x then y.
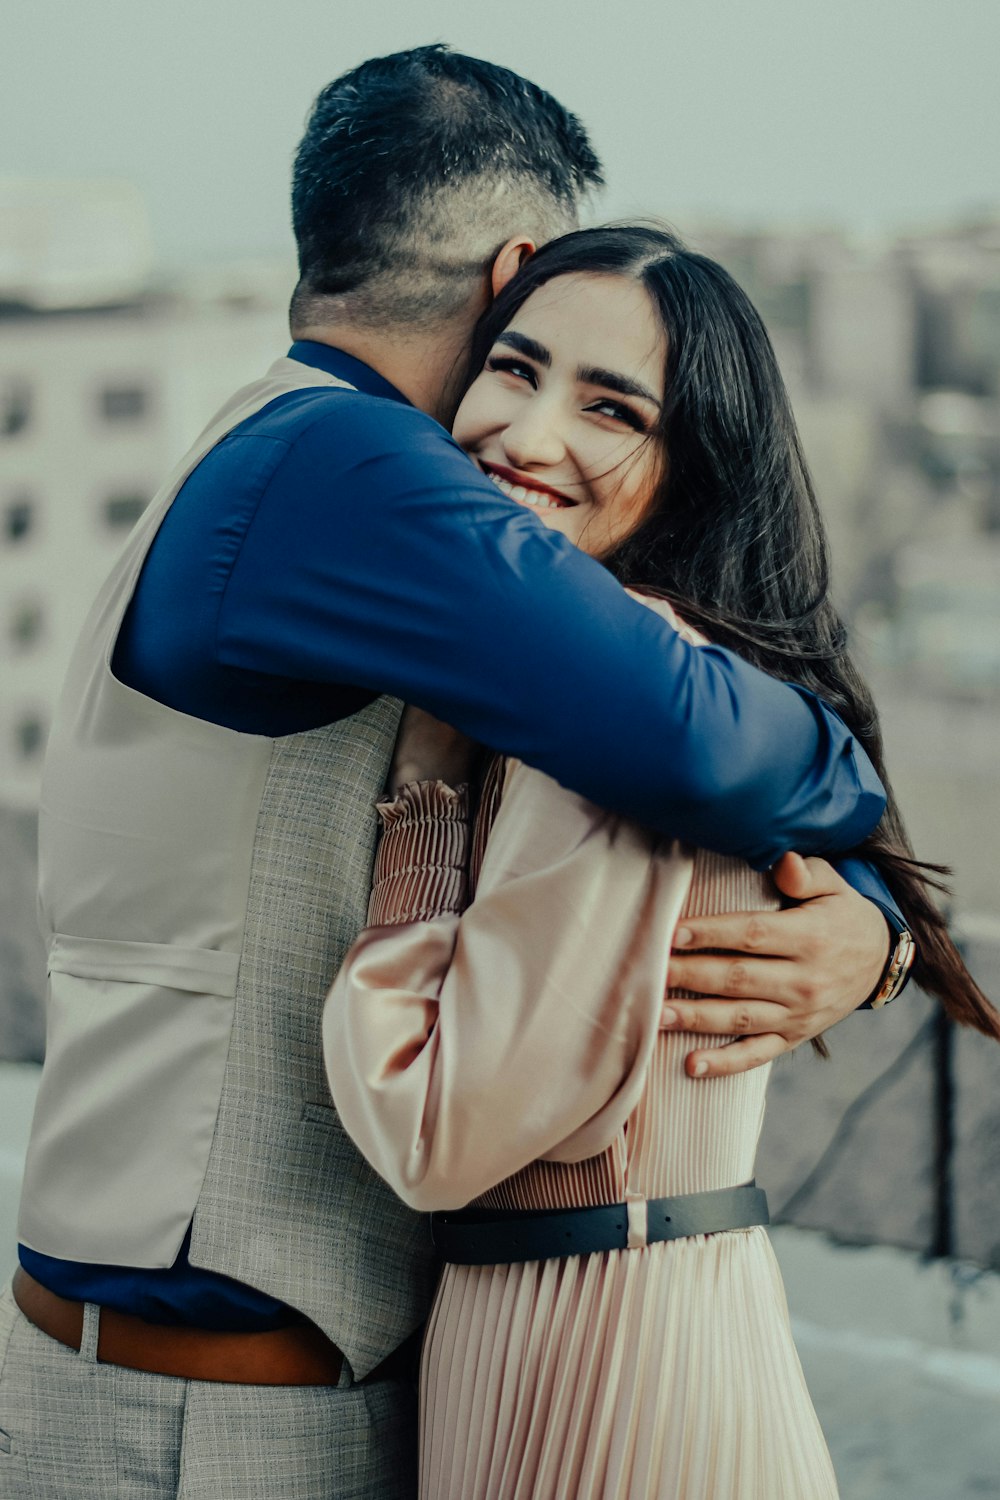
{"type": "Point", "coordinates": [470, 419]}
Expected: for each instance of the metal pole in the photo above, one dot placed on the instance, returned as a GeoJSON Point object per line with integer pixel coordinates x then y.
{"type": "Point", "coordinates": [943, 1053]}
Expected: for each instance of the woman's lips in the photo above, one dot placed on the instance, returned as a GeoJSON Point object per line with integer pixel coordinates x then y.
{"type": "Point", "coordinates": [525, 490]}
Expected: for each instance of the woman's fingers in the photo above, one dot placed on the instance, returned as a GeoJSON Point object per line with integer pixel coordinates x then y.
{"type": "Point", "coordinates": [429, 750]}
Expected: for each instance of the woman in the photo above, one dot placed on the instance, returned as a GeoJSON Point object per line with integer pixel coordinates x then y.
{"type": "Point", "coordinates": [494, 1038]}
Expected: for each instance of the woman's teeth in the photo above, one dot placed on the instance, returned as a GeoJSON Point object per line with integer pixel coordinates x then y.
{"type": "Point", "coordinates": [538, 498]}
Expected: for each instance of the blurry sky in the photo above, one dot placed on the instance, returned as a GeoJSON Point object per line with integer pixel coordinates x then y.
{"type": "Point", "coordinates": [867, 113]}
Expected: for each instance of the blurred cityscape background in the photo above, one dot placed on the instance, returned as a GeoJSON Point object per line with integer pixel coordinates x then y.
{"type": "Point", "coordinates": [122, 328]}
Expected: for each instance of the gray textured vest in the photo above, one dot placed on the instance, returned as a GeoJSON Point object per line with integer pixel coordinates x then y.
{"type": "Point", "coordinates": [198, 890]}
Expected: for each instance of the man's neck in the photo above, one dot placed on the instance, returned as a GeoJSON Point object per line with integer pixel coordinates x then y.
{"type": "Point", "coordinates": [427, 368]}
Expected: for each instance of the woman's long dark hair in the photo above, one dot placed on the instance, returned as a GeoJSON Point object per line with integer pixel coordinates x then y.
{"type": "Point", "coordinates": [734, 536]}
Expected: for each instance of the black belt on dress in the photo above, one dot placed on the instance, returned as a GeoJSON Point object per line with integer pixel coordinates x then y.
{"type": "Point", "coordinates": [492, 1237]}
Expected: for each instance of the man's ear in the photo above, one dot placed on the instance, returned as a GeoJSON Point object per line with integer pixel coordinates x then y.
{"type": "Point", "coordinates": [510, 259]}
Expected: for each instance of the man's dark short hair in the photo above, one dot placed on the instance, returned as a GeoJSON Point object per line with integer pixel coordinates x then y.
{"type": "Point", "coordinates": [413, 171]}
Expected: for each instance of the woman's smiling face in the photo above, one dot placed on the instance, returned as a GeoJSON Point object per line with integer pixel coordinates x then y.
{"type": "Point", "coordinates": [564, 416]}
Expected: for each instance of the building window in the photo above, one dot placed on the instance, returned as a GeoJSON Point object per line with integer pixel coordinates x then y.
{"type": "Point", "coordinates": [122, 511]}
{"type": "Point", "coordinates": [27, 624]}
{"type": "Point", "coordinates": [124, 403]}
{"type": "Point", "coordinates": [15, 408]}
{"type": "Point", "coordinates": [29, 737]}
{"type": "Point", "coordinates": [18, 519]}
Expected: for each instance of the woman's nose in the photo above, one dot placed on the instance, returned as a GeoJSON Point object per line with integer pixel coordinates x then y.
{"type": "Point", "coordinates": [534, 438]}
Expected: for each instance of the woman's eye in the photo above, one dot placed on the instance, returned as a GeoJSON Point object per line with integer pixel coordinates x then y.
{"type": "Point", "coordinates": [515, 367]}
{"type": "Point", "coordinates": [619, 413]}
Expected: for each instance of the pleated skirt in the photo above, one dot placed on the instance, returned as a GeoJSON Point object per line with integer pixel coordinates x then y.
{"type": "Point", "coordinates": [666, 1373]}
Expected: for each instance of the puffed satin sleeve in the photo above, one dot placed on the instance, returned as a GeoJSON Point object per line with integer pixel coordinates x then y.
{"type": "Point", "coordinates": [461, 1045]}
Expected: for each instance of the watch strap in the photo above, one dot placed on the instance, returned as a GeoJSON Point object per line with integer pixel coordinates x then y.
{"type": "Point", "coordinates": [896, 974]}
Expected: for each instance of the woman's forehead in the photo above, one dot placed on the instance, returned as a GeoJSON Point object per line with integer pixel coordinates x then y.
{"type": "Point", "coordinates": [596, 319]}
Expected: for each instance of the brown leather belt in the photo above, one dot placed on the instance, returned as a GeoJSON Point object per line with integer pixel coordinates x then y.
{"type": "Point", "coordinates": [297, 1355]}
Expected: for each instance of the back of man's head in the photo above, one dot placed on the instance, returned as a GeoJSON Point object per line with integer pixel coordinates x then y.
{"type": "Point", "coordinates": [413, 172]}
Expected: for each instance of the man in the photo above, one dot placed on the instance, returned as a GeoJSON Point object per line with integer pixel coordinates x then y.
{"type": "Point", "coordinates": [217, 1296]}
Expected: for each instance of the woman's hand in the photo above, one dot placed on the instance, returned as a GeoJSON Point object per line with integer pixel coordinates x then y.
{"type": "Point", "coordinates": [427, 750]}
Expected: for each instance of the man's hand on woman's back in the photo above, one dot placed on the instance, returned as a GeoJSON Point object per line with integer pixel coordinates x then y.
{"type": "Point", "coordinates": [776, 979]}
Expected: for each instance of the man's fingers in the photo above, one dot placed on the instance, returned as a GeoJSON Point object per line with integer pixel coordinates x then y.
{"type": "Point", "coordinates": [758, 932]}
{"type": "Point", "coordinates": [788, 975]}
{"type": "Point", "coordinates": [723, 1017]}
{"type": "Point", "coordinates": [737, 978]}
{"type": "Point", "coordinates": [738, 1057]}
{"type": "Point", "coordinates": [804, 879]}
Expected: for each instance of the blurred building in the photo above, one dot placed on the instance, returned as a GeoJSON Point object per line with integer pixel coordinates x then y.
{"type": "Point", "coordinates": [72, 244]}
{"type": "Point", "coordinates": [99, 397]}
{"type": "Point", "coordinates": [891, 351]}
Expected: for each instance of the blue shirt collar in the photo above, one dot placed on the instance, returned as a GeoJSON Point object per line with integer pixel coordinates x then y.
{"type": "Point", "coordinates": [345, 367]}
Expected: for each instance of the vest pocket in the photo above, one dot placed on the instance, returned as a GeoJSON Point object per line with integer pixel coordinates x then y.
{"type": "Point", "coordinates": [204, 970]}
{"type": "Point", "coordinates": [138, 1036]}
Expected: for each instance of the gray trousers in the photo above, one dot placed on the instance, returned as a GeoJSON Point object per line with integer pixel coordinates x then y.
{"type": "Point", "coordinates": [73, 1429]}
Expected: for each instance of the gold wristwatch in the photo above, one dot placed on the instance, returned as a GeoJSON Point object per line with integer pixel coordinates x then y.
{"type": "Point", "coordinates": [896, 971]}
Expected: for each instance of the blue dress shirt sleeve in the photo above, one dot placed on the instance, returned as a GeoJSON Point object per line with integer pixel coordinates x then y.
{"type": "Point", "coordinates": [415, 576]}
{"type": "Point", "coordinates": [867, 880]}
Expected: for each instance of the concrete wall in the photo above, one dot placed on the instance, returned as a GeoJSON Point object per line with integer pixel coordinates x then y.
{"type": "Point", "coordinates": [896, 1139]}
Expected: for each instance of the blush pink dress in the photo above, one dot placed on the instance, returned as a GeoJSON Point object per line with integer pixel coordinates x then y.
{"type": "Point", "coordinates": [500, 1045]}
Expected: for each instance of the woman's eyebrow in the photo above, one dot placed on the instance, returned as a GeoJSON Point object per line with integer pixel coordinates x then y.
{"type": "Point", "coordinates": [586, 374]}
{"type": "Point", "coordinates": [526, 346]}
{"type": "Point", "coordinates": [593, 375]}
